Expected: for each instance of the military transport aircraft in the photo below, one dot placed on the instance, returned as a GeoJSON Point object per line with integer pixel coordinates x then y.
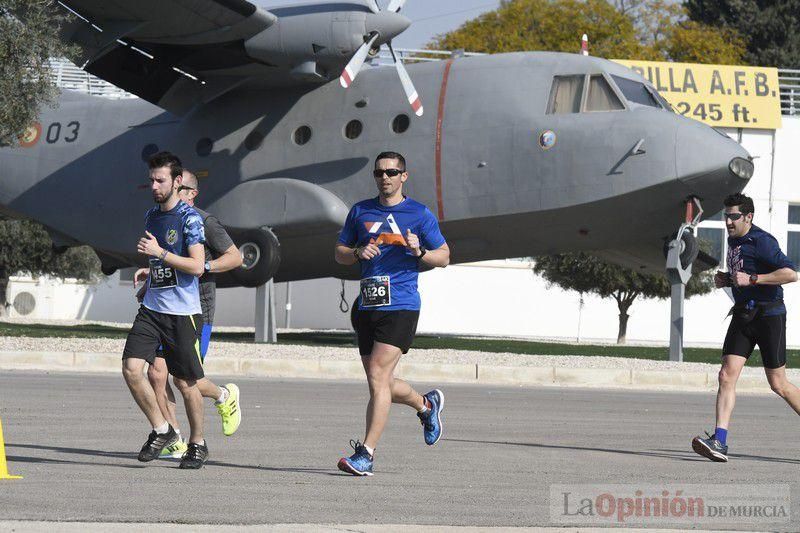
{"type": "Point", "coordinates": [517, 154]}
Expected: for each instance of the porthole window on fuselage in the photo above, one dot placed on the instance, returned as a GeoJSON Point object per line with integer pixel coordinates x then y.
{"type": "Point", "coordinates": [401, 123]}
{"type": "Point", "coordinates": [302, 135]}
{"type": "Point", "coordinates": [353, 129]}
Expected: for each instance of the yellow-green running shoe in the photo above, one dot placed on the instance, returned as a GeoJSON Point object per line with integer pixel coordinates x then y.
{"type": "Point", "coordinates": [230, 411]}
{"type": "Point", "coordinates": [174, 449]}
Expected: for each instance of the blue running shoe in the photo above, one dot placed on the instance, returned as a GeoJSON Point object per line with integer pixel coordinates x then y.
{"type": "Point", "coordinates": [432, 420]}
{"type": "Point", "coordinates": [358, 464]}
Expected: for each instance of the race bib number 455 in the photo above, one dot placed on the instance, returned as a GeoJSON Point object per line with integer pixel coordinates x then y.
{"type": "Point", "coordinates": [161, 275]}
{"type": "Point", "coordinates": [376, 291]}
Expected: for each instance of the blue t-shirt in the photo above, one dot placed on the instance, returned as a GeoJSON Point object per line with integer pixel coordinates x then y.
{"type": "Point", "coordinates": [757, 253]}
{"type": "Point", "coordinates": [369, 220]}
{"type": "Point", "coordinates": [169, 290]}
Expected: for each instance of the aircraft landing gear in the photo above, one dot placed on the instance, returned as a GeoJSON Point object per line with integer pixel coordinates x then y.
{"type": "Point", "coordinates": [681, 252]}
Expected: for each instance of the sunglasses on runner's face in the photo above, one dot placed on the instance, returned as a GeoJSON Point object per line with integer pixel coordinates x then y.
{"type": "Point", "coordinates": [391, 172]}
{"type": "Point", "coordinates": [734, 216]}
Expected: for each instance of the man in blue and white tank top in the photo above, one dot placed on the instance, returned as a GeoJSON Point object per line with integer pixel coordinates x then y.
{"type": "Point", "coordinates": [390, 236]}
{"type": "Point", "coordinates": [170, 316]}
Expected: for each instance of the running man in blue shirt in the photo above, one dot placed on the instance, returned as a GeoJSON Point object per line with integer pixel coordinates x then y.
{"type": "Point", "coordinates": [756, 270]}
{"type": "Point", "coordinates": [221, 256]}
{"type": "Point", "coordinates": [170, 315]}
{"type": "Point", "coordinates": [391, 236]}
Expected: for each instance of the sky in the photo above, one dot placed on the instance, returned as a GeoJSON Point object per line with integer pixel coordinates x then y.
{"type": "Point", "coordinates": [429, 17]}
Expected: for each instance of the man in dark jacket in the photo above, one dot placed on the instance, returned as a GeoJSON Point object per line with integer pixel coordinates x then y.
{"type": "Point", "coordinates": [756, 270]}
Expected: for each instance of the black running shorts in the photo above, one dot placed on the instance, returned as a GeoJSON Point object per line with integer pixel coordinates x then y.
{"type": "Point", "coordinates": [768, 332]}
{"type": "Point", "coordinates": [179, 335]}
{"type": "Point", "coordinates": [396, 328]}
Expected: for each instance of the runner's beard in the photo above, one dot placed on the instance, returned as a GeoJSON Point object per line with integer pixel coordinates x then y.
{"type": "Point", "coordinates": [163, 200]}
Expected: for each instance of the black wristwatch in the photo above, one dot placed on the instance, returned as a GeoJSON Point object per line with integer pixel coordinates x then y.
{"type": "Point", "coordinates": [355, 253]}
{"type": "Point", "coordinates": [422, 252]}
{"type": "Point", "coordinates": [753, 279]}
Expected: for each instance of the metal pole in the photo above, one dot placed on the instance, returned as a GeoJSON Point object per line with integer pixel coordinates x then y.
{"type": "Point", "coordinates": [676, 321]}
{"type": "Point", "coordinates": [266, 332]}
{"type": "Point", "coordinates": [288, 304]}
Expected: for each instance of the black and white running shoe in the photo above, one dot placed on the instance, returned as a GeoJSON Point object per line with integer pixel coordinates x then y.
{"type": "Point", "coordinates": [155, 443]}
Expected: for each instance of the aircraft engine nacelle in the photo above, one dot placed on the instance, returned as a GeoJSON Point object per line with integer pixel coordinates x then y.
{"type": "Point", "coordinates": [261, 254]}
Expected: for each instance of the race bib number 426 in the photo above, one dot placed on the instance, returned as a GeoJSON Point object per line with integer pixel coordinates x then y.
{"type": "Point", "coordinates": [375, 291]}
{"type": "Point", "coordinates": [161, 275]}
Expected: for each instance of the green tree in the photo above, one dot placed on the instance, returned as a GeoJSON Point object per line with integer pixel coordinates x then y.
{"type": "Point", "coordinates": [771, 30]}
{"type": "Point", "coordinates": [26, 248]}
{"type": "Point", "coordinates": [585, 273]}
{"type": "Point", "coordinates": [626, 29]}
{"type": "Point", "coordinates": [28, 38]}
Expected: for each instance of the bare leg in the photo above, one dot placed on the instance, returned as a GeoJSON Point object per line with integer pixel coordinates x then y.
{"type": "Point", "coordinates": [403, 393]}
{"type": "Point", "coordinates": [783, 387]}
{"type": "Point", "coordinates": [158, 376]}
{"type": "Point", "coordinates": [133, 372]}
{"type": "Point", "coordinates": [193, 401]}
{"type": "Point", "coordinates": [379, 367]}
{"type": "Point", "coordinates": [208, 389]}
{"type": "Point", "coordinates": [726, 394]}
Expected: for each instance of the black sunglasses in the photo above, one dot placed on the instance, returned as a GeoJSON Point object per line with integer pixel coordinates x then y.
{"type": "Point", "coordinates": [733, 216]}
{"type": "Point", "coordinates": [391, 172]}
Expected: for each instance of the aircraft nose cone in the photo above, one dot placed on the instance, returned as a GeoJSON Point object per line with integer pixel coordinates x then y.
{"type": "Point", "coordinates": [712, 164]}
{"type": "Point", "coordinates": [389, 25]}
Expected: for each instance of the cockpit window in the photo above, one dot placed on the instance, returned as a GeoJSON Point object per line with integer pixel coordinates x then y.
{"type": "Point", "coordinates": [636, 92]}
{"type": "Point", "coordinates": [565, 95]}
{"type": "Point", "coordinates": [601, 97]}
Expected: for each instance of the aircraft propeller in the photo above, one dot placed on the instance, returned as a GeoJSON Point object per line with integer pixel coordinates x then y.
{"type": "Point", "coordinates": [353, 67]}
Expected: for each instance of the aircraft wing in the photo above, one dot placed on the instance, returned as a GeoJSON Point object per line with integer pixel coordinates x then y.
{"type": "Point", "coordinates": [172, 53]}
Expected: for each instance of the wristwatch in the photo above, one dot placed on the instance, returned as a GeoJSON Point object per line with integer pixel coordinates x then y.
{"type": "Point", "coordinates": [207, 266]}
{"type": "Point", "coordinates": [422, 252]}
{"type": "Point", "coordinates": [355, 252]}
{"type": "Point", "coordinates": [753, 279]}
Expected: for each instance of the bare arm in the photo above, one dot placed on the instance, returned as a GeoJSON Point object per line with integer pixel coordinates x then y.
{"type": "Point", "coordinates": [344, 255]}
{"type": "Point", "coordinates": [190, 265]}
{"type": "Point", "coordinates": [230, 259]}
{"type": "Point", "coordinates": [148, 245]}
{"type": "Point", "coordinates": [778, 277]}
{"type": "Point", "coordinates": [439, 257]}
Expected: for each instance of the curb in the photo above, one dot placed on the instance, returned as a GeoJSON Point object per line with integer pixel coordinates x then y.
{"type": "Point", "coordinates": [675, 380]}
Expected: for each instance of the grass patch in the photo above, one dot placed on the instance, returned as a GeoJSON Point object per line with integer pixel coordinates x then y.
{"type": "Point", "coordinates": [695, 355]}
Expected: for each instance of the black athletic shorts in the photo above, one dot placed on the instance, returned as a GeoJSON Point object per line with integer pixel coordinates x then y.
{"type": "Point", "coordinates": [179, 335]}
{"type": "Point", "coordinates": [389, 327]}
{"type": "Point", "coordinates": [768, 332]}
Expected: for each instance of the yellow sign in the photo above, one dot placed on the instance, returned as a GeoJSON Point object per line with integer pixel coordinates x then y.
{"type": "Point", "coordinates": [718, 95]}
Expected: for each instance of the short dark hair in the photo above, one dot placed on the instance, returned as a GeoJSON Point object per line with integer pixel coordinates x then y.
{"type": "Point", "coordinates": [166, 159]}
{"type": "Point", "coordinates": [392, 155]}
{"type": "Point", "coordinates": [745, 203]}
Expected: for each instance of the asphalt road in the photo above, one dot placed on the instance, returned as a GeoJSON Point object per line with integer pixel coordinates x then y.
{"type": "Point", "coordinates": [74, 438]}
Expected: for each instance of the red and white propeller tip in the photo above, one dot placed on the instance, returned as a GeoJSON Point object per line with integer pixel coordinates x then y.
{"type": "Point", "coordinates": [353, 66]}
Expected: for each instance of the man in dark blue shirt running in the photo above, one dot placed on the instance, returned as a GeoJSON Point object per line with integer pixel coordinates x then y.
{"type": "Point", "coordinates": [391, 236]}
{"type": "Point", "coordinates": [756, 270]}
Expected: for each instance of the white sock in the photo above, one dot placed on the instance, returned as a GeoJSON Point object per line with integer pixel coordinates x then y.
{"type": "Point", "coordinates": [425, 407]}
{"type": "Point", "coordinates": [223, 395]}
{"type": "Point", "coordinates": [163, 428]}
{"type": "Point", "coordinates": [370, 451]}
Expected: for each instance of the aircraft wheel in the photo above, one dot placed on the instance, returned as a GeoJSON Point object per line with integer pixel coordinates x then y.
{"type": "Point", "coordinates": [690, 248]}
{"type": "Point", "coordinates": [261, 256]}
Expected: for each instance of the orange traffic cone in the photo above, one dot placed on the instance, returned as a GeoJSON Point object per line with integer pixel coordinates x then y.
{"type": "Point", "coordinates": [3, 466]}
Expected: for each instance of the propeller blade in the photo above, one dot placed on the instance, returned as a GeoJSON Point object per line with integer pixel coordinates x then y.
{"type": "Point", "coordinates": [408, 85]}
{"type": "Point", "coordinates": [352, 68]}
{"type": "Point", "coordinates": [373, 5]}
{"type": "Point", "coordinates": [396, 5]}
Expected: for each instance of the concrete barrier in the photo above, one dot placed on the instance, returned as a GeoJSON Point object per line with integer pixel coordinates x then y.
{"type": "Point", "coordinates": [677, 379]}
